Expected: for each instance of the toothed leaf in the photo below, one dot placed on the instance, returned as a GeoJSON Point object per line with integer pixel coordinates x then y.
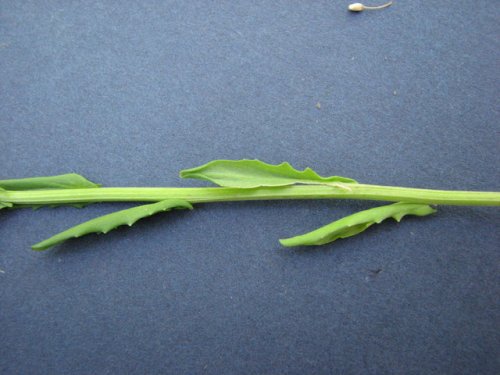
{"type": "Point", "coordinates": [357, 223]}
{"type": "Point", "coordinates": [63, 181]}
{"type": "Point", "coordinates": [255, 173]}
{"type": "Point", "coordinates": [111, 221]}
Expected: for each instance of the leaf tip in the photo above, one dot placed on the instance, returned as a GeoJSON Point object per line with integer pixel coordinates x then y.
{"type": "Point", "coordinates": [285, 242]}
{"type": "Point", "coordinates": [40, 246]}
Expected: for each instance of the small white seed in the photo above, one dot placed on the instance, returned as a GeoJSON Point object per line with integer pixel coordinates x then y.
{"type": "Point", "coordinates": [356, 7]}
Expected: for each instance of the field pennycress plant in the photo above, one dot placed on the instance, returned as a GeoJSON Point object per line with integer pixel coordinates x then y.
{"type": "Point", "coordinates": [237, 180]}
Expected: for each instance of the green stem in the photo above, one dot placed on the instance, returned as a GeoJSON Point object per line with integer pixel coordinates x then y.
{"type": "Point", "coordinates": [221, 194]}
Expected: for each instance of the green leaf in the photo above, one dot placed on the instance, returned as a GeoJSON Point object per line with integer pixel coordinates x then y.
{"type": "Point", "coordinates": [5, 205]}
{"type": "Point", "coordinates": [111, 221]}
{"type": "Point", "coordinates": [357, 223]}
{"type": "Point", "coordinates": [55, 205]}
{"type": "Point", "coordinates": [255, 173]}
{"type": "Point", "coordinates": [63, 181]}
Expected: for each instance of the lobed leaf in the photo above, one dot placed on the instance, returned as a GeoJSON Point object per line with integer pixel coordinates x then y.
{"type": "Point", "coordinates": [357, 223]}
{"type": "Point", "coordinates": [63, 181]}
{"type": "Point", "coordinates": [255, 173]}
{"type": "Point", "coordinates": [106, 223]}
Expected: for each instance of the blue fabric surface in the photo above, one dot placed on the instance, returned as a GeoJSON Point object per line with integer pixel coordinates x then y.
{"type": "Point", "coordinates": [128, 93]}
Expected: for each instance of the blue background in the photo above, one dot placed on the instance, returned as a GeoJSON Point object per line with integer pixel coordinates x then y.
{"type": "Point", "coordinates": [129, 93]}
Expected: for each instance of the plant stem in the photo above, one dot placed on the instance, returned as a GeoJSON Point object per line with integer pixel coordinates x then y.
{"type": "Point", "coordinates": [222, 194]}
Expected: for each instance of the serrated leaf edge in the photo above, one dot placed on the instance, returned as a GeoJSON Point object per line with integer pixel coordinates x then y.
{"type": "Point", "coordinates": [363, 219]}
{"type": "Point", "coordinates": [334, 181]}
{"type": "Point", "coordinates": [116, 219]}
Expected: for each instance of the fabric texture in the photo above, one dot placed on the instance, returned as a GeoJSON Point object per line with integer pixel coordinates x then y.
{"type": "Point", "coordinates": [128, 93]}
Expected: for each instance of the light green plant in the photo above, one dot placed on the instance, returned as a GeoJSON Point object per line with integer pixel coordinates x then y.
{"type": "Point", "coordinates": [237, 180]}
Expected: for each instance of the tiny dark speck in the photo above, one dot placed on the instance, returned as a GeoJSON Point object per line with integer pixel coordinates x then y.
{"type": "Point", "coordinates": [375, 272]}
